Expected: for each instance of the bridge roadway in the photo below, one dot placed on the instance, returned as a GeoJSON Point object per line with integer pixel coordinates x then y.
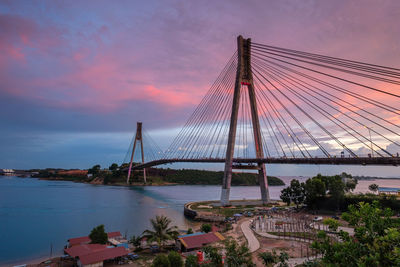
{"type": "Point", "coordinates": [395, 161]}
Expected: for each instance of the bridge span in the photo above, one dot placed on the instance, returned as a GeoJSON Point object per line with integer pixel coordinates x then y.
{"type": "Point", "coordinates": [383, 161]}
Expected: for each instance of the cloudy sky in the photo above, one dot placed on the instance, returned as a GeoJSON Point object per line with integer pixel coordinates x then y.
{"type": "Point", "coordinates": [75, 77]}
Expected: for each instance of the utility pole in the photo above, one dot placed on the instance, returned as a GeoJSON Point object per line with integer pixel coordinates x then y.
{"type": "Point", "coordinates": [244, 77]}
{"type": "Point", "coordinates": [138, 137]}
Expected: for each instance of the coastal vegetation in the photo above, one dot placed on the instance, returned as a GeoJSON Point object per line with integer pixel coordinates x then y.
{"type": "Point", "coordinates": [376, 241]}
{"type": "Point", "coordinates": [117, 175]}
{"type": "Point", "coordinates": [332, 193]}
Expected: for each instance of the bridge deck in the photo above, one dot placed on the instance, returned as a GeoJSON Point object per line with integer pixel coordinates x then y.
{"type": "Point", "coordinates": [395, 161]}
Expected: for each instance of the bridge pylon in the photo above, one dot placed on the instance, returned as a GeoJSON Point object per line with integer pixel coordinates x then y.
{"type": "Point", "coordinates": [138, 138]}
{"type": "Point", "coordinates": [244, 77]}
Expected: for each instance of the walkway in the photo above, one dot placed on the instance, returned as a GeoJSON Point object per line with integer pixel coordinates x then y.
{"type": "Point", "coordinates": [252, 241]}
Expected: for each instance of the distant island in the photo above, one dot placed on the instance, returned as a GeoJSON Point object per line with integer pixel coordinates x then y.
{"type": "Point", "coordinates": [116, 175]}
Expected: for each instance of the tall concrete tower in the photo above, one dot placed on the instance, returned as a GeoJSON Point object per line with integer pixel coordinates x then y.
{"type": "Point", "coordinates": [139, 138]}
{"type": "Point", "coordinates": [244, 77]}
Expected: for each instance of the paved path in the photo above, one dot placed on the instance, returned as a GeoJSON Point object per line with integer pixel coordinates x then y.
{"type": "Point", "coordinates": [252, 241]}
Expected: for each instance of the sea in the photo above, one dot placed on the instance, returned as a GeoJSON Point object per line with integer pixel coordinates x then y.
{"type": "Point", "coordinates": [37, 217]}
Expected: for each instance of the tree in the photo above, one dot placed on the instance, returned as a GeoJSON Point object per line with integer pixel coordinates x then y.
{"type": "Point", "coordinates": [213, 254]}
{"type": "Point", "coordinates": [268, 258]}
{"type": "Point", "coordinates": [191, 261]}
{"type": "Point", "coordinates": [206, 227]}
{"type": "Point", "coordinates": [175, 259]}
{"type": "Point", "coordinates": [373, 187]}
{"type": "Point", "coordinates": [95, 170]}
{"type": "Point", "coordinates": [314, 191]}
{"type": "Point", "coordinates": [294, 193]}
{"type": "Point", "coordinates": [283, 257]}
{"type": "Point", "coordinates": [113, 167]}
{"type": "Point", "coordinates": [161, 231]}
{"type": "Point", "coordinates": [135, 240]}
{"type": "Point", "coordinates": [161, 261]}
{"type": "Point", "coordinates": [237, 255]}
{"type": "Point", "coordinates": [271, 258]}
{"type": "Point", "coordinates": [285, 195]}
{"type": "Point", "coordinates": [189, 231]}
{"type": "Point", "coordinates": [376, 241]}
{"type": "Point", "coordinates": [333, 224]}
{"type": "Point", "coordinates": [336, 188]}
{"type": "Point", "coordinates": [98, 235]}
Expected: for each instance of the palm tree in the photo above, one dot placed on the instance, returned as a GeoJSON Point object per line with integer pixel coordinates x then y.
{"type": "Point", "coordinates": [161, 231]}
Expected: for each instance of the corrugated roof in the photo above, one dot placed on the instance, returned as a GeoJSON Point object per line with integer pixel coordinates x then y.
{"type": "Point", "coordinates": [113, 234]}
{"type": "Point", "coordinates": [197, 241]}
{"type": "Point", "coordinates": [79, 250]}
{"type": "Point", "coordinates": [99, 256]}
{"type": "Point", "coordinates": [78, 240]}
{"type": "Point", "coordinates": [198, 233]}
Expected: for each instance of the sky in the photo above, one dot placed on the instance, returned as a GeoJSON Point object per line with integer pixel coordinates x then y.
{"type": "Point", "coordinates": [75, 77]}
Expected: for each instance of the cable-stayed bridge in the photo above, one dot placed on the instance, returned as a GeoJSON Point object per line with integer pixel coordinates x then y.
{"type": "Point", "coordinates": [277, 105]}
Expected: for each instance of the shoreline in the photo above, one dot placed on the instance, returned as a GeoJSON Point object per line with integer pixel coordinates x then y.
{"type": "Point", "coordinates": [146, 184]}
{"type": "Point", "coordinates": [31, 262]}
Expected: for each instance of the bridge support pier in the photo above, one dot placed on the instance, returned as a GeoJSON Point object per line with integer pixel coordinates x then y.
{"type": "Point", "coordinates": [244, 76]}
{"type": "Point", "coordinates": [138, 137]}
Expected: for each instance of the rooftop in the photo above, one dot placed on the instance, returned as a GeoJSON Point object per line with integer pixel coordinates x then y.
{"type": "Point", "coordinates": [80, 250]}
{"type": "Point", "coordinates": [106, 254]}
{"type": "Point", "coordinates": [93, 253]}
{"type": "Point", "coordinates": [200, 239]}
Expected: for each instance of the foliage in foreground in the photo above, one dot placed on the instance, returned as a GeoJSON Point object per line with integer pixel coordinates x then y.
{"type": "Point", "coordinates": [235, 255]}
{"type": "Point", "coordinates": [191, 261]}
{"type": "Point", "coordinates": [271, 258]}
{"type": "Point", "coordinates": [173, 259]}
{"type": "Point", "coordinates": [376, 241]}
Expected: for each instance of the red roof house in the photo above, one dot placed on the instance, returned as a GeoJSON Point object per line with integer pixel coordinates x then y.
{"type": "Point", "coordinates": [198, 240]}
{"type": "Point", "coordinates": [94, 254]}
{"type": "Point", "coordinates": [100, 256]}
{"type": "Point", "coordinates": [79, 250]}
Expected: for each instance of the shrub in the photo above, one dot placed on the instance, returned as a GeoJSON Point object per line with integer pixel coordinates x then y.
{"type": "Point", "coordinates": [175, 259]}
{"type": "Point", "coordinates": [206, 227]}
{"type": "Point", "coordinates": [161, 261]}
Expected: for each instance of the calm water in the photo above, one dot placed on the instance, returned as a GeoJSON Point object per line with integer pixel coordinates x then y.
{"type": "Point", "coordinates": [35, 214]}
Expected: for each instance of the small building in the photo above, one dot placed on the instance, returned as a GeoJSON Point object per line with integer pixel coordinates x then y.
{"type": "Point", "coordinates": [197, 240]}
{"type": "Point", "coordinates": [93, 255]}
{"type": "Point", "coordinates": [389, 191]}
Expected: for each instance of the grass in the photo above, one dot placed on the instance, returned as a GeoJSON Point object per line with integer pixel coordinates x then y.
{"type": "Point", "coordinates": [227, 212]}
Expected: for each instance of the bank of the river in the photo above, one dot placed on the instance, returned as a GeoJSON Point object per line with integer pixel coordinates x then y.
{"type": "Point", "coordinates": [155, 176]}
